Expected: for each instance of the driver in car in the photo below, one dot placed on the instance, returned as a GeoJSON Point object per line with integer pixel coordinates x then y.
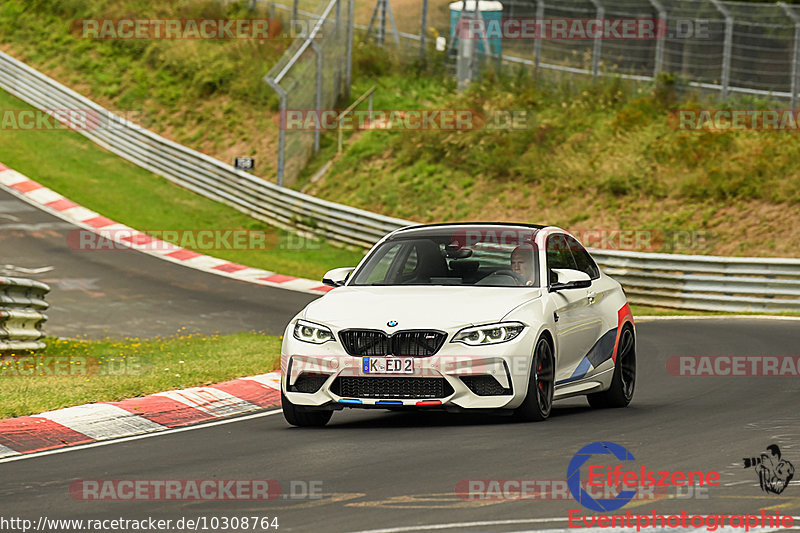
{"type": "Point", "coordinates": [522, 262]}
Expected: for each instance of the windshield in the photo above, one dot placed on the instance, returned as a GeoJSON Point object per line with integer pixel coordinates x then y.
{"type": "Point", "coordinates": [483, 256]}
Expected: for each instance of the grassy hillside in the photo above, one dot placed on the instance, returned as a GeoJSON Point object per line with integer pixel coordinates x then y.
{"type": "Point", "coordinates": [203, 93]}
{"type": "Point", "coordinates": [595, 156]}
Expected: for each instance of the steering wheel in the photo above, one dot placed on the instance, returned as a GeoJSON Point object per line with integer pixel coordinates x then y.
{"type": "Point", "coordinates": [517, 277]}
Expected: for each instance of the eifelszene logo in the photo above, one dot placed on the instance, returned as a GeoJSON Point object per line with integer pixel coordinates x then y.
{"type": "Point", "coordinates": [774, 473]}
{"type": "Point", "coordinates": [616, 477]}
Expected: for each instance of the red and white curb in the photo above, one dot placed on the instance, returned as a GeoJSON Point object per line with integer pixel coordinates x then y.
{"type": "Point", "coordinates": [157, 412]}
{"type": "Point", "coordinates": [42, 197]}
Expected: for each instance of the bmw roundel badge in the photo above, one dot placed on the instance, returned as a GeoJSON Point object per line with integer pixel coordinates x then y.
{"type": "Point", "coordinates": [392, 323]}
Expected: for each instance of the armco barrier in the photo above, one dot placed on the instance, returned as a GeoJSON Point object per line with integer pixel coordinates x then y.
{"type": "Point", "coordinates": [21, 314]}
{"type": "Point", "coordinates": [196, 171]}
{"type": "Point", "coordinates": [679, 281]}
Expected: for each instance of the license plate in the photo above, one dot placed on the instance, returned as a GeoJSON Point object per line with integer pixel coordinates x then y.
{"type": "Point", "coordinates": [387, 365]}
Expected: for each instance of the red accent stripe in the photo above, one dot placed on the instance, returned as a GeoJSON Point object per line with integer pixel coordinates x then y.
{"type": "Point", "coordinates": [429, 402]}
{"type": "Point", "coordinates": [61, 205]}
{"type": "Point", "coordinates": [3, 167]}
{"type": "Point", "coordinates": [230, 267]}
{"type": "Point", "coordinates": [163, 410]}
{"type": "Point", "coordinates": [278, 278]}
{"type": "Point", "coordinates": [99, 222]}
{"type": "Point", "coordinates": [322, 288]}
{"type": "Point", "coordinates": [27, 434]}
{"type": "Point", "coordinates": [27, 186]}
{"type": "Point", "coordinates": [251, 391]}
{"type": "Point", "coordinates": [624, 315]}
{"type": "Point", "coordinates": [183, 255]}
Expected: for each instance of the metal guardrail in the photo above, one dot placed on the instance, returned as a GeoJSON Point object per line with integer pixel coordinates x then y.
{"type": "Point", "coordinates": [21, 314]}
{"type": "Point", "coordinates": [196, 171]}
{"type": "Point", "coordinates": [707, 283]}
{"type": "Point", "coordinates": [678, 281]}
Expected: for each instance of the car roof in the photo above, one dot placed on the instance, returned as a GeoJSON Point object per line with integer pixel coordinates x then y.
{"type": "Point", "coordinates": [425, 227]}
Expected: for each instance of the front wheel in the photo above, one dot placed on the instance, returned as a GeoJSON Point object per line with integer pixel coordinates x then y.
{"type": "Point", "coordinates": [541, 384]}
{"type": "Point", "coordinates": [297, 415]}
{"type": "Point", "coordinates": [620, 393]}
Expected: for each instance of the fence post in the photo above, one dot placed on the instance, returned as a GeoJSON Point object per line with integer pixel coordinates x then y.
{"type": "Point", "coordinates": [318, 91]}
{"type": "Point", "coordinates": [349, 64]}
{"type": "Point", "coordinates": [282, 126]}
{"type": "Point", "coordinates": [662, 19]}
{"type": "Point", "coordinates": [424, 31]}
{"type": "Point", "coordinates": [294, 12]}
{"type": "Point", "coordinates": [537, 43]}
{"type": "Point", "coordinates": [795, 52]}
{"type": "Point", "coordinates": [726, 47]}
{"type": "Point", "coordinates": [598, 40]}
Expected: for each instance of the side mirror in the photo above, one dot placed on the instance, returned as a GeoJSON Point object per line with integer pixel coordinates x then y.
{"type": "Point", "coordinates": [570, 279]}
{"type": "Point", "coordinates": [337, 277]}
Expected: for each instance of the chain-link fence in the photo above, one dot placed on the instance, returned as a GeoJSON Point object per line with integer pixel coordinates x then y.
{"type": "Point", "coordinates": [312, 74]}
{"type": "Point", "coordinates": [739, 47]}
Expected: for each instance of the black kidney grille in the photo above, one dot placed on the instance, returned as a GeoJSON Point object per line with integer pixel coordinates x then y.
{"type": "Point", "coordinates": [365, 342]}
{"type": "Point", "coordinates": [395, 388]}
{"type": "Point", "coordinates": [417, 343]}
{"type": "Point", "coordinates": [409, 343]}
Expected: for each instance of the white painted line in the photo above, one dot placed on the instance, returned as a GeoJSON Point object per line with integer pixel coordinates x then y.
{"type": "Point", "coordinates": [102, 421]}
{"type": "Point", "coordinates": [272, 379]}
{"type": "Point", "coordinates": [205, 261]}
{"type": "Point", "coordinates": [458, 525]}
{"type": "Point", "coordinates": [649, 318]}
{"type": "Point", "coordinates": [11, 177]}
{"type": "Point", "coordinates": [483, 523]}
{"type": "Point", "coordinates": [44, 196]}
{"type": "Point", "coordinates": [137, 437]}
{"type": "Point", "coordinates": [210, 400]}
{"type": "Point", "coordinates": [78, 213]}
{"type": "Point", "coordinates": [6, 452]}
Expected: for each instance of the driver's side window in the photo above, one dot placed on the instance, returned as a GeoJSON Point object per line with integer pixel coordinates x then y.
{"type": "Point", "coordinates": [558, 256]}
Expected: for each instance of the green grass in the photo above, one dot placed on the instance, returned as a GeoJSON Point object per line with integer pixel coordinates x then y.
{"type": "Point", "coordinates": [70, 164]}
{"type": "Point", "coordinates": [111, 370]}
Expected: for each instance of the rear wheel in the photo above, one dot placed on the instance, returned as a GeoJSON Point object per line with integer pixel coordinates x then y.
{"type": "Point", "coordinates": [541, 384]}
{"type": "Point", "coordinates": [297, 415]}
{"type": "Point", "coordinates": [622, 384]}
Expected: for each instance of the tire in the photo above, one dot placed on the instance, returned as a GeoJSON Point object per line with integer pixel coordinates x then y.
{"type": "Point", "coordinates": [300, 416]}
{"type": "Point", "coordinates": [620, 393]}
{"type": "Point", "coordinates": [541, 385]}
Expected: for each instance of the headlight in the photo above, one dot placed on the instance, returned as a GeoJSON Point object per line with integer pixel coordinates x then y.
{"type": "Point", "coordinates": [490, 334]}
{"type": "Point", "coordinates": [313, 333]}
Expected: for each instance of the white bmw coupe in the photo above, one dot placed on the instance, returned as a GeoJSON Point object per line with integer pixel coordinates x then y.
{"type": "Point", "coordinates": [459, 317]}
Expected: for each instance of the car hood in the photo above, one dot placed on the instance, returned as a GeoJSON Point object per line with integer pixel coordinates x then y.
{"type": "Point", "coordinates": [416, 307]}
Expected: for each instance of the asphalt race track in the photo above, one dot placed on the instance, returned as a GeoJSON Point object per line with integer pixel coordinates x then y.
{"type": "Point", "coordinates": [391, 470]}
{"type": "Point", "coordinates": [127, 293]}
{"type": "Point", "coordinates": [381, 470]}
